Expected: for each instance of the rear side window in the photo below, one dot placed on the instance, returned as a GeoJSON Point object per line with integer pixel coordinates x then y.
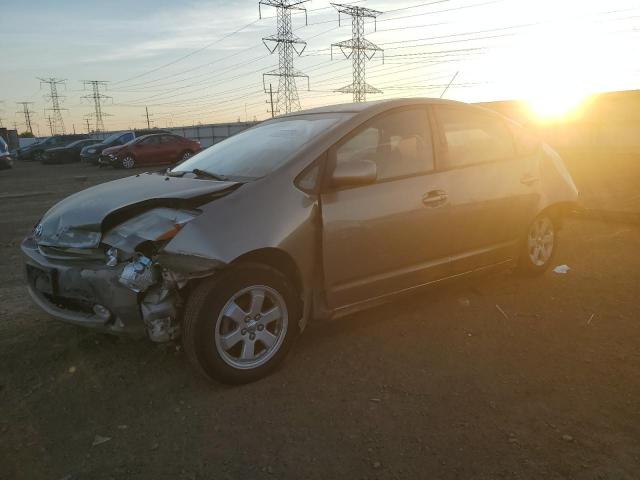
{"type": "Point", "coordinates": [150, 141]}
{"type": "Point", "coordinates": [168, 139]}
{"type": "Point", "coordinates": [472, 137]}
{"type": "Point", "coordinates": [399, 142]}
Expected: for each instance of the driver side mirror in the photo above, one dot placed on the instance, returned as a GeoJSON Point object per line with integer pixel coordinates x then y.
{"type": "Point", "coordinates": [354, 172]}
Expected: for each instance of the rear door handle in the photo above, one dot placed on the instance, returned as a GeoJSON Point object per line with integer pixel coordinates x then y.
{"type": "Point", "coordinates": [435, 198]}
{"type": "Point", "coordinates": [529, 179]}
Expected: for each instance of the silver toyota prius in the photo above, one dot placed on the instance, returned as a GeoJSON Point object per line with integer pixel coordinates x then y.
{"type": "Point", "coordinates": [315, 214]}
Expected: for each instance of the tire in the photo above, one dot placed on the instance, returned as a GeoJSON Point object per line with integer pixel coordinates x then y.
{"type": "Point", "coordinates": [230, 336]}
{"type": "Point", "coordinates": [539, 246]}
{"type": "Point", "coordinates": [37, 156]}
{"type": "Point", "coordinates": [128, 162]}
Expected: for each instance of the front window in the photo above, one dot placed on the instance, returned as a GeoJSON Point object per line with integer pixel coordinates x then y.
{"type": "Point", "coordinates": [260, 150]}
{"type": "Point", "coordinates": [398, 142]}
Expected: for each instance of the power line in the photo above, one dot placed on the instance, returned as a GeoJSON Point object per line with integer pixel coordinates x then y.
{"type": "Point", "coordinates": [97, 98]}
{"type": "Point", "coordinates": [287, 44]}
{"type": "Point", "coordinates": [56, 124]}
{"type": "Point", "coordinates": [360, 50]}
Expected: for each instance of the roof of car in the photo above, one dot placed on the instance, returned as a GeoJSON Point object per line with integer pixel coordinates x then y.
{"type": "Point", "coordinates": [374, 105]}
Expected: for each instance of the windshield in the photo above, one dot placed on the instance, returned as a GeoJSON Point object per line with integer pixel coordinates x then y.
{"type": "Point", "coordinates": [262, 149]}
{"type": "Point", "coordinates": [77, 143]}
{"type": "Point", "coordinates": [112, 138]}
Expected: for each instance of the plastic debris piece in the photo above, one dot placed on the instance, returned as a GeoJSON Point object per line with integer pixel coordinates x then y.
{"type": "Point", "coordinates": [562, 269]}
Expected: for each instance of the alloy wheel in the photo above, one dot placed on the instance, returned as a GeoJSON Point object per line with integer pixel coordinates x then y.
{"type": "Point", "coordinates": [540, 241]}
{"type": "Point", "coordinates": [251, 327]}
{"type": "Point", "coordinates": [128, 162]}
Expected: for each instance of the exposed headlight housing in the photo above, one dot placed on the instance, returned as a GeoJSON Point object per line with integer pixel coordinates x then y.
{"type": "Point", "coordinates": [155, 225]}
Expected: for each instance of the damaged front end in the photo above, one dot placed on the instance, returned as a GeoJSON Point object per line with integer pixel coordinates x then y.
{"type": "Point", "coordinates": [135, 248]}
{"type": "Point", "coordinates": [113, 275]}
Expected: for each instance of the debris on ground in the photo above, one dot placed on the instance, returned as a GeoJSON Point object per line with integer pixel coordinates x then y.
{"type": "Point", "coordinates": [502, 312]}
{"type": "Point", "coordinates": [98, 440]}
{"type": "Point", "coordinates": [464, 302]}
{"type": "Point", "coordinates": [562, 269]}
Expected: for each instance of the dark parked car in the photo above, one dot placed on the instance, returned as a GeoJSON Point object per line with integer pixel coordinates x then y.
{"type": "Point", "coordinates": [69, 153]}
{"type": "Point", "coordinates": [36, 150]}
{"type": "Point", "coordinates": [91, 154]}
{"type": "Point", "coordinates": [313, 214]}
{"type": "Point", "coordinates": [5, 158]}
{"type": "Point", "coordinates": [150, 150]}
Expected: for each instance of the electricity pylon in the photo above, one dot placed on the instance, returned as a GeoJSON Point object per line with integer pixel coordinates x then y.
{"type": "Point", "coordinates": [97, 98]}
{"type": "Point", "coordinates": [359, 50]}
{"type": "Point", "coordinates": [57, 123]}
{"type": "Point", "coordinates": [27, 115]}
{"type": "Point", "coordinates": [287, 44]}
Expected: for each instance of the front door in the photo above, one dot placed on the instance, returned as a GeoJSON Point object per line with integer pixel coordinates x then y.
{"type": "Point", "coordinates": [148, 150]}
{"type": "Point", "coordinates": [390, 235]}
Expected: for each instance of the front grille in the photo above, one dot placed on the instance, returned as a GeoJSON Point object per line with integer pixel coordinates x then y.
{"type": "Point", "coordinates": [72, 304]}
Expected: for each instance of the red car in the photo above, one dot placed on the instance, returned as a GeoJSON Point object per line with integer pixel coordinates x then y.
{"type": "Point", "coordinates": [157, 148]}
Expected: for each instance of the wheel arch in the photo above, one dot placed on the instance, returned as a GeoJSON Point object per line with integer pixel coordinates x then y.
{"type": "Point", "coordinates": [277, 259]}
{"type": "Point", "coordinates": [557, 211]}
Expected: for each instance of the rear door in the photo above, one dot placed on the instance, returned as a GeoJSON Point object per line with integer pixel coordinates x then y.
{"type": "Point", "coordinates": [492, 185]}
{"type": "Point", "coordinates": [391, 235]}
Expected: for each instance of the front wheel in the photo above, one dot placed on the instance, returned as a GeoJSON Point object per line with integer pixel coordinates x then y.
{"type": "Point", "coordinates": [240, 324]}
{"type": "Point", "coordinates": [128, 162]}
{"type": "Point", "coordinates": [539, 246]}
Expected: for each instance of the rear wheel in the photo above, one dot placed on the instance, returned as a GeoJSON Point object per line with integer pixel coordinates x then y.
{"type": "Point", "coordinates": [186, 155]}
{"type": "Point", "coordinates": [37, 156]}
{"type": "Point", "coordinates": [240, 324]}
{"type": "Point", "coordinates": [128, 162]}
{"type": "Point", "coordinates": [539, 246]}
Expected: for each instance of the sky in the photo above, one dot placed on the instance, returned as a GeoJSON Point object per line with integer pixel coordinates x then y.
{"type": "Point", "coordinates": [201, 61]}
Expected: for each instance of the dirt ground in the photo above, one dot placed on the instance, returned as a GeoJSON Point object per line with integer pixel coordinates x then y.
{"type": "Point", "coordinates": [440, 386]}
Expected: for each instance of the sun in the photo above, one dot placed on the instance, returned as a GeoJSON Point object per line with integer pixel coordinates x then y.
{"type": "Point", "coordinates": [554, 104]}
{"type": "Point", "coordinates": [557, 73]}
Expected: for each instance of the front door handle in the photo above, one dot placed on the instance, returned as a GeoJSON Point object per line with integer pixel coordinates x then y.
{"type": "Point", "coordinates": [435, 198]}
{"type": "Point", "coordinates": [529, 179]}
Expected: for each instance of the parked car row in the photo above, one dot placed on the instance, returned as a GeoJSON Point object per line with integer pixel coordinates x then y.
{"type": "Point", "coordinates": [126, 149]}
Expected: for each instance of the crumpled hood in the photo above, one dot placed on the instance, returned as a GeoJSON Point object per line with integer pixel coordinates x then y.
{"type": "Point", "coordinates": [86, 210]}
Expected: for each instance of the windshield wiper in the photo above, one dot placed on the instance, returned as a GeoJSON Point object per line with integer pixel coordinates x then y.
{"type": "Point", "coordinates": [200, 173]}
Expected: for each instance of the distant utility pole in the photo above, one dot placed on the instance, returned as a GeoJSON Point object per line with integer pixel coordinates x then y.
{"type": "Point", "coordinates": [270, 101]}
{"type": "Point", "coordinates": [359, 50]}
{"type": "Point", "coordinates": [1, 111]}
{"type": "Point", "coordinates": [27, 115]}
{"type": "Point", "coordinates": [287, 44]}
{"type": "Point", "coordinates": [97, 98]}
{"type": "Point", "coordinates": [88, 126]}
{"type": "Point", "coordinates": [54, 98]}
{"type": "Point", "coordinates": [50, 122]}
{"type": "Point", "coordinates": [146, 109]}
